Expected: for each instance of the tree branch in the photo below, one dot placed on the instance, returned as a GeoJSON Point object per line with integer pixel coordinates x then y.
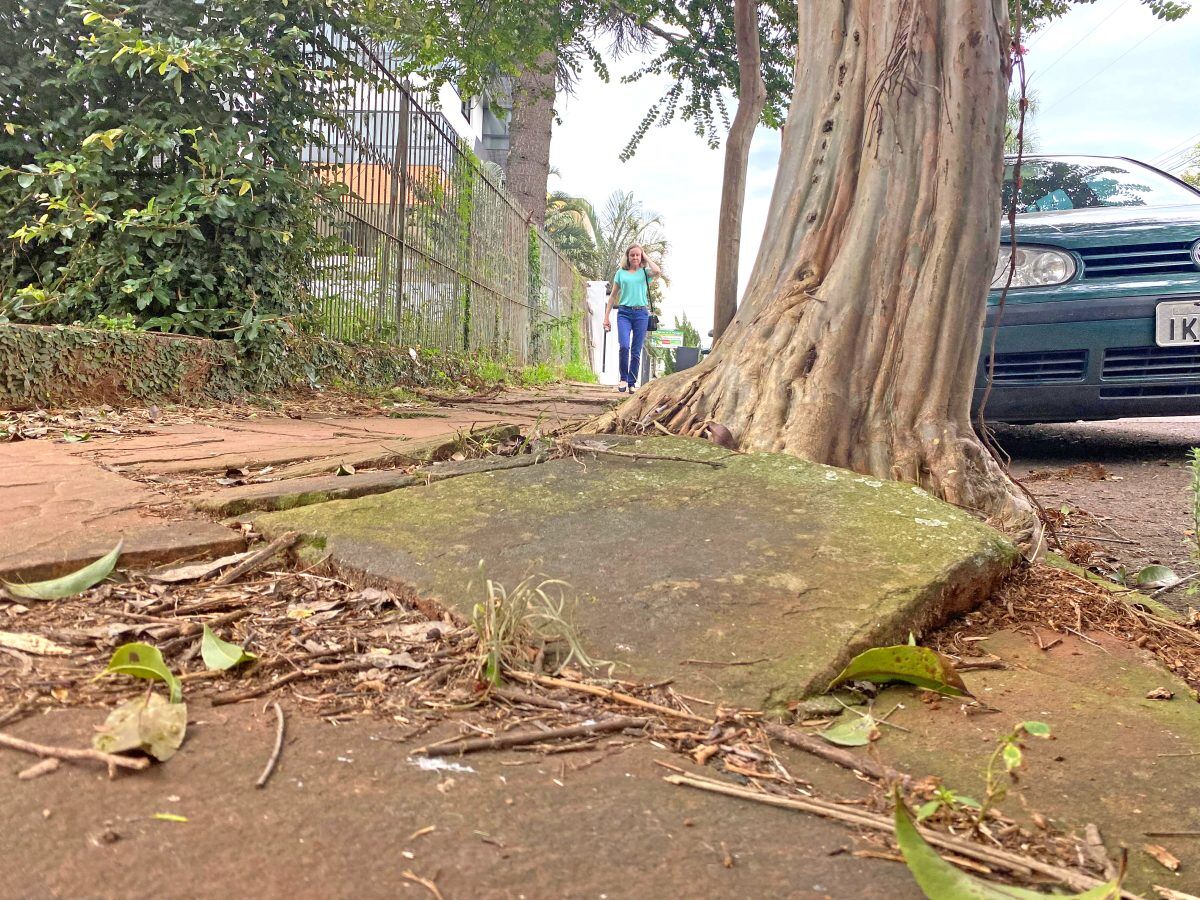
{"type": "Point", "coordinates": [653, 29]}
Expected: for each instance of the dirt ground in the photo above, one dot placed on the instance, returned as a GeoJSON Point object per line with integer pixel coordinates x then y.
{"type": "Point", "coordinates": [348, 813]}
{"type": "Point", "coordinates": [1124, 485]}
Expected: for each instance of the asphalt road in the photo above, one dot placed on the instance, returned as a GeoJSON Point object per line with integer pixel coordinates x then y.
{"type": "Point", "coordinates": [1122, 485]}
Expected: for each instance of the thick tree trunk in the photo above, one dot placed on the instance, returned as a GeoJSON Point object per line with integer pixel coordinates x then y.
{"type": "Point", "coordinates": [528, 167]}
{"type": "Point", "coordinates": [752, 94]}
{"type": "Point", "coordinates": [858, 338]}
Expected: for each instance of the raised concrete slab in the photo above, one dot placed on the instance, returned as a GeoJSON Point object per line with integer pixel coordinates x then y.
{"type": "Point", "coordinates": [304, 446]}
{"type": "Point", "coordinates": [293, 492]}
{"type": "Point", "coordinates": [752, 583]}
{"type": "Point", "coordinates": [59, 512]}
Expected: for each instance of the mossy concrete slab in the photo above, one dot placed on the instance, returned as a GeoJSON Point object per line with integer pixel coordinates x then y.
{"type": "Point", "coordinates": [752, 583]}
{"type": "Point", "coordinates": [1119, 760]}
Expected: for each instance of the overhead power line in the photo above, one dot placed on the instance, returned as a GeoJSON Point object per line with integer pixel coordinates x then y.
{"type": "Point", "coordinates": [1101, 71]}
{"type": "Point", "coordinates": [1185, 147]}
{"type": "Point", "coordinates": [1061, 56]}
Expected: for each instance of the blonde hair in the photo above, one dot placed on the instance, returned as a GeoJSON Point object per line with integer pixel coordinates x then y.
{"type": "Point", "coordinates": [630, 247]}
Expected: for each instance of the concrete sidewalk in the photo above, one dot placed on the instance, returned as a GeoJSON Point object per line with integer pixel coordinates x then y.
{"type": "Point", "coordinates": [64, 504]}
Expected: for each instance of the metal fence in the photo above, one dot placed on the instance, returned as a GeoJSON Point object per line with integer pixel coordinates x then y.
{"type": "Point", "coordinates": [437, 255]}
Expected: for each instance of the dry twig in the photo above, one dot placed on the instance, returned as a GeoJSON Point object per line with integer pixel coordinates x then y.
{"type": "Point", "coordinates": [1012, 862]}
{"type": "Point", "coordinates": [111, 760]}
{"type": "Point", "coordinates": [522, 738]}
{"type": "Point", "coordinates": [423, 882]}
{"type": "Point", "coordinates": [262, 779]}
{"type": "Point", "coordinates": [250, 564]}
{"type": "Point", "coordinates": [608, 694]}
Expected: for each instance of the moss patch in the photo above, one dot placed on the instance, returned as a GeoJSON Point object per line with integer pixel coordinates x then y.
{"type": "Point", "coordinates": [64, 365]}
{"type": "Point", "coordinates": [784, 566]}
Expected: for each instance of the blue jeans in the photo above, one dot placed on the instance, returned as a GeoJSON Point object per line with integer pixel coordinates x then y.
{"type": "Point", "coordinates": [631, 335]}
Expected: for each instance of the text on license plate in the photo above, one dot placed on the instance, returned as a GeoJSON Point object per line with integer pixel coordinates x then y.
{"type": "Point", "coordinates": [1177, 322]}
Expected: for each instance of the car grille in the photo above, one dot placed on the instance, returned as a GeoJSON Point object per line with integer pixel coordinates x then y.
{"type": "Point", "coordinates": [1140, 259]}
{"type": "Point", "coordinates": [1149, 362]}
{"type": "Point", "coordinates": [1125, 392]}
{"type": "Point", "coordinates": [1051, 365]}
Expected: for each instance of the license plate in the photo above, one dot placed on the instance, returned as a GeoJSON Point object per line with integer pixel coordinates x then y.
{"type": "Point", "coordinates": [1177, 322]}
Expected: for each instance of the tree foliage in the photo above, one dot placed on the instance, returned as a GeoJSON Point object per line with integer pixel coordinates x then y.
{"type": "Point", "coordinates": [1035, 14]}
{"type": "Point", "coordinates": [571, 223]}
{"type": "Point", "coordinates": [152, 160]}
{"type": "Point", "coordinates": [697, 51]}
{"type": "Point", "coordinates": [1192, 174]}
{"type": "Point", "coordinates": [596, 242]}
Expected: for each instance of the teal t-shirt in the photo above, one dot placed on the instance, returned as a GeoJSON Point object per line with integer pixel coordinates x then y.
{"type": "Point", "coordinates": [633, 287]}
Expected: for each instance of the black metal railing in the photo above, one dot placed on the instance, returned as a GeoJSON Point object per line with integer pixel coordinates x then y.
{"type": "Point", "coordinates": [435, 253]}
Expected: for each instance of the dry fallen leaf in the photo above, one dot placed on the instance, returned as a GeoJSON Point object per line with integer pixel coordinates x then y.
{"type": "Point", "coordinates": [720, 435]}
{"type": "Point", "coordinates": [1163, 856]}
{"type": "Point", "coordinates": [198, 570]}
{"type": "Point", "coordinates": [1160, 693]}
{"type": "Point", "coordinates": [32, 643]}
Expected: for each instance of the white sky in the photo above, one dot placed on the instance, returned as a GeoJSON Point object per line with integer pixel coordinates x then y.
{"type": "Point", "coordinates": [1109, 79]}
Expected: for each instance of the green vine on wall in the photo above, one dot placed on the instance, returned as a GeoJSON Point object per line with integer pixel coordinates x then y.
{"type": "Point", "coordinates": [468, 170]}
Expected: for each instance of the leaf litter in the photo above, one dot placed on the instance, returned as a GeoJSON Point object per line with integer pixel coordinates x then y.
{"type": "Point", "coordinates": [382, 656]}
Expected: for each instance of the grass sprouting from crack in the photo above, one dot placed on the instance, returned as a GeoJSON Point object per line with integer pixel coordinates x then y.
{"type": "Point", "coordinates": [515, 628]}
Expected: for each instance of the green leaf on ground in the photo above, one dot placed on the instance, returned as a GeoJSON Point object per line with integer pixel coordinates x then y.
{"type": "Point", "coordinates": [1036, 729]}
{"type": "Point", "coordinates": [148, 723]}
{"type": "Point", "coordinates": [219, 654]}
{"type": "Point", "coordinates": [939, 880]}
{"type": "Point", "coordinates": [1156, 577]}
{"type": "Point", "coordinates": [144, 661]}
{"type": "Point", "coordinates": [915, 665]}
{"type": "Point", "coordinates": [1012, 756]}
{"type": "Point", "coordinates": [925, 810]}
{"type": "Point", "coordinates": [852, 730]}
{"type": "Point", "coordinates": [169, 817]}
{"type": "Point", "coordinates": [68, 585]}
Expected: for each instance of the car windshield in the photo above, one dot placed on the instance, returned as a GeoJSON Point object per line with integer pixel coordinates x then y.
{"type": "Point", "coordinates": [1056, 183]}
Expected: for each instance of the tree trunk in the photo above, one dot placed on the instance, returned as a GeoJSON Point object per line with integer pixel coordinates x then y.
{"type": "Point", "coordinates": [858, 339]}
{"type": "Point", "coordinates": [528, 168]}
{"type": "Point", "coordinates": [752, 94]}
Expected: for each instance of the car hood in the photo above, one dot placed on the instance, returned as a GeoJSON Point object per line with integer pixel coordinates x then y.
{"type": "Point", "coordinates": [1110, 225]}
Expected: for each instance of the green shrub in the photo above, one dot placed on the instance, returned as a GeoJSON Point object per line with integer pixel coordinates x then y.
{"type": "Point", "coordinates": [542, 373]}
{"type": "Point", "coordinates": [152, 161]}
{"type": "Point", "coordinates": [576, 371]}
{"type": "Point", "coordinates": [490, 372]}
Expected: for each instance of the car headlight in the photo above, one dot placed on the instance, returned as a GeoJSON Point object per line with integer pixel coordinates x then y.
{"type": "Point", "coordinates": [1036, 267]}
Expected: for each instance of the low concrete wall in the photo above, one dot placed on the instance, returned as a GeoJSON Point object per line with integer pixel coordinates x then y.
{"type": "Point", "coordinates": [55, 365]}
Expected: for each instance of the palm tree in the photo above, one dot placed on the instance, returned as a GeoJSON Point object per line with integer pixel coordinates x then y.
{"type": "Point", "coordinates": [571, 224]}
{"type": "Point", "coordinates": [596, 244]}
{"type": "Point", "coordinates": [624, 222]}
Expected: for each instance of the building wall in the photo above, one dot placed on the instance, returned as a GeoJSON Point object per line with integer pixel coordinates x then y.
{"type": "Point", "coordinates": [482, 121]}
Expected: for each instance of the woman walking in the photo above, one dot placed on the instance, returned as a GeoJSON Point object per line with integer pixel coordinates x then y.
{"type": "Point", "coordinates": [631, 296]}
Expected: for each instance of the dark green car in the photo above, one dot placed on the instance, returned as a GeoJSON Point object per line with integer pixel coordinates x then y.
{"type": "Point", "coordinates": [1102, 319]}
